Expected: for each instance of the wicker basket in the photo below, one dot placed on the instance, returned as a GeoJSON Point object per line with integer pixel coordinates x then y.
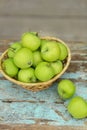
{"type": "Point", "coordinates": [40, 85]}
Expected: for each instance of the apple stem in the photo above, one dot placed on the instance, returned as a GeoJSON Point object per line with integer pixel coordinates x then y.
{"type": "Point", "coordinates": [34, 33]}
{"type": "Point", "coordinates": [43, 51]}
{"type": "Point", "coordinates": [48, 65]}
{"type": "Point", "coordinates": [63, 92]}
{"type": "Point", "coordinates": [12, 49]}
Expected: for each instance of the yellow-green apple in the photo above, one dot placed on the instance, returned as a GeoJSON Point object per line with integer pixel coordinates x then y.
{"type": "Point", "coordinates": [27, 75]}
{"type": "Point", "coordinates": [37, 58]}
{"type": "Point", "coordinates": [57, 66]}
{"type": "Point", "coordinates": [77, 107]}
{"type": "Point", "coordinates": [23, 58]}
{"type": "Point", "coordinates": [64, 51]}
{"type": "Point", "coordinates": [50, 51]}
{"type": "Point", "coordinates": [66, 89]}
{"type": "Point", "coordinates": [44, 71]}
{"type": "Point", "coordinates": [13, 49]}
{"type": "Point", "coordinates": [31, 41]}
{"type": "Point", "coordinates": [9, 67]}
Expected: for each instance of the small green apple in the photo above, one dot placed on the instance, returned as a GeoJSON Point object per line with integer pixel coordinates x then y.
{"type": "Point", "coordinates": [77, 107]}
{"type": "Point", "coordinates": [27, 75]}
{"type": "Point", "coordinates": [44, 41]}
{"type": "Point", "coordinates": [64, 51]}
{"type": "Point", "coordinates": [57, 66]}
{"type": "Point", "coordinates": [9, 67]}
{"type": "Point", "coordinates": [37, 58]}
{"type": "Point", "coordinates": [50, 51]}
{"type": "Point", "coordinates": [31, 41]}
{"type": "Point", "coordinates": [66, 89]}
{"type": "Point", "coordinates": [44, 71]}
{"type": "Point", "coordinates": [13, 49]}
{"type": "Point", "coordinates": [23, 58]}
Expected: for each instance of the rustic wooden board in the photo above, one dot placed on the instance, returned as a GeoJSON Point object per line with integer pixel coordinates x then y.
{"type": "Point", "coordinates": [22, 109]}
{"type": "Point", "coordinates": [66, 19]}
{"type": "Point", "coordinates": [67, 29]}
{"type": "Point", "coordinates": [44, 8]}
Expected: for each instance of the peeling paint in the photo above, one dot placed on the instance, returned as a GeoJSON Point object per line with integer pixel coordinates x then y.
{"type": "Point", "coordinates": [77, 75]}
{"type": "Point", "coordinates": [52, 110]}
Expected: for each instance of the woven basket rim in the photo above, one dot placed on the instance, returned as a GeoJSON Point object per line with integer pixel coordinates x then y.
{"type": "Point", "coordinates": [39, 83]}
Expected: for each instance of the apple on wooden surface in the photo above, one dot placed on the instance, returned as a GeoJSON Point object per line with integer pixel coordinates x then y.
{"type": "Point", "coordinates": [66, 89]}
{"type": "Point", "coordinates": [77, 107]}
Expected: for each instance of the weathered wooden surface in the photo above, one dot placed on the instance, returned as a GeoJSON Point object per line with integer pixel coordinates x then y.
{"type": "Point", "coordinates": [22, 109]}
{"type": "Point", "coordinates": [66, 19]}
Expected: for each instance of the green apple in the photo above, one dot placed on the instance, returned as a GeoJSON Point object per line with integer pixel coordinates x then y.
{"type": "Point", "coordinates": [37, 58]}
{"type": "Point", "coordinates": [31, 41]}
{"type": "Point", "coordinates": [23, 58]}
{"type": "Point", "coordinates": [50, 51]}
{"type": "Point", "coordinates": [57, 66]}
{"type": "Point", "coordinates": [77, 107]}
{"type": "Point", "coordinates": [9, 67]}
{"type": "Point", "coordinates": [27, 75]}
{"type": "Point", "coordinates": [66, 89]}
{"type": "Point", "coordinates": [64, 51]}
{"type": "Point", "coordinates": [44, 71]}
{"type": "Point", "coordinates": [13, 49]}
{"type": "Point", "coordinates": [44, 41]}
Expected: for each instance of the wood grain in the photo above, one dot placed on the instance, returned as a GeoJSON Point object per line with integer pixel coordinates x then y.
{"type": "Point", "coordinates": [22, 109]}
{"type": "Point", "coordinates": [67, 29]}
{"type": "Point", "coordinates": [42, 127]}
{"type": "Point", "coordinates": [65, 19]}
{"type": "Point", "coordinates": [45, 110]}
{"type": "Point", "coordinates": [44, 8]}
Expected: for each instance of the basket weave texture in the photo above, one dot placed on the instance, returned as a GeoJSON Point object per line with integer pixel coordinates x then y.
{"type": "Point", "coordinates": [40, 85]}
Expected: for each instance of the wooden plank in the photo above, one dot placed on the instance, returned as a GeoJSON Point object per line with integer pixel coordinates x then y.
{"type": "Point", "coordinates": [22, 109]}
{"type": "Point", "coordinates": [67, 29]}
{"type": "Point", "coordinates": [37, 127]}
{"type": "Point", "coordinates": [44, 108]}
{"type": "Point", "coordinates": [44, 8]}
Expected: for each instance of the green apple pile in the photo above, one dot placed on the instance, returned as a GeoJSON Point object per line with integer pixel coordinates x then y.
{"type": "Point", "coordinates": [34, 59]}
{"type": "Point", "coordinates": [77, 106]}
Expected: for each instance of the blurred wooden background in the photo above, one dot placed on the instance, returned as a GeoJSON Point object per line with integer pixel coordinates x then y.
{"type": "Point", "coordinates": [66, 19]}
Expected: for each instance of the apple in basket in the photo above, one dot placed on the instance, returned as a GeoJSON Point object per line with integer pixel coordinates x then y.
{"type": "Point", "coordinates": [35, 60]}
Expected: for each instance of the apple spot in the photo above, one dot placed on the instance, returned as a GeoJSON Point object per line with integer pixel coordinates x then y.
{"type": "Point", "coordinates": [12, 49]}
{"type": "Point", "coordinates": [29, 63]}
{"type": "Point", "coordinates": [48, 65]}
{"type": "Point", "coordinates": [63, 92]}
{"type": "Point", "coordinates": [32, 79]}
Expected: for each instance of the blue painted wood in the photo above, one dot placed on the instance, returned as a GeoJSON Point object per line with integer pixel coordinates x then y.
{"type": "Point", "coordinates": [20, 106]}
